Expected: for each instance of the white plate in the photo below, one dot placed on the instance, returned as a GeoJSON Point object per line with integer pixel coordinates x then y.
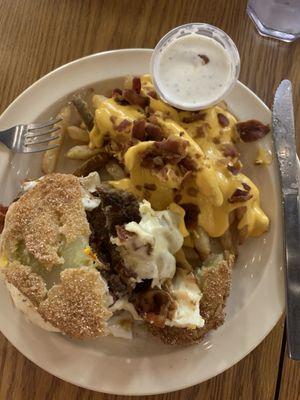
{"type": "Point", "coordinates": [145, 366]}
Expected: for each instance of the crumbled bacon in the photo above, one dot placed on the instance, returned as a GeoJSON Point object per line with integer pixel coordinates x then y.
{"type": "Point", "coordinates": [169, 151]}
{"type": "Point", "coordinates": [223, 120]}
{"type": "Point", "coordinates": [123, 234]}
{"type": "Point", "coordinates": [150, 186]}
{"type": "Point", "coordinates": [240, 195]}
{"type": "Point", "coordinates": [194, 117]}
{"type": "Point", "coordinates": [229, 150]}
{"type": "Point", "coordinates": [136, 84]}
{"type": "Point", "coordinates": [204, 58]}
{"type": "Point", "coordinates": [154, 132]}
{"type": "Point", "coordinates": [135, 99]}
{"type": "Point", "coordinates": [118, 97]}
{"type": "Point", "coordinates": [246, 186]}
{"type": "Point", "coordinates": [123, 125]}
{"type": "Point", "coordinates": [188, 164]}
{"type": "Point", "coordinates": [116, 91]}
{"type": "Point", "coordinates": [138, 129]}
{"type": "Point", "coordinates": [191, 215]}
{"type": "Point", "coordinates": [153, 94]}
{"type": "Point", "coordinates": [234, 168]}
{"type": "Point", "coordinates": [252, 130]}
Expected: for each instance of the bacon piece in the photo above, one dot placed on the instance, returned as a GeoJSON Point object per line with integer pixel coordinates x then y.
{"type": "Point", "coordinates": [134, 98]}
{"type": "Point", "coordinates": [252, 130]}
{"type": "Point", "coordinates": [229, 150]}
{"type": "Point", "coordinates": [153, 94]}
{"type": "Point", "coordinates": [169, 151]}
{"type": "Point", "coordinates": [138, 129]}
{"type": "Point", "coordinates": [191, 215]}
{"type": "Point", "coordinates": [246, 186]}
{"type": "Point", "coordinates": [136, 84]}
{"type": "Point", "coordinates": [188, 164]}
{"type": "Point", "coordinates": [195, 117]}
{"type": "Point", "coordinates": [150, 186]}
{"type": "Point", "coordinates": [117, 96]}
{"type": "Point", "coordinates": [123, 125]}
{"type": "Point", "coordinates": [154, 132]}
{"type": "Point", "coordinates": [123, 234]}
{"type": "Point", "coordinates": [223, 120]}
{"type": "Point", "coordinates": [234, 168]}
{"type": "Point", "coordinates": [240, 195]}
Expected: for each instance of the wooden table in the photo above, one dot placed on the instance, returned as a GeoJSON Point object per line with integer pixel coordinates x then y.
{"type": "Point", "coordinates": [38, 36]}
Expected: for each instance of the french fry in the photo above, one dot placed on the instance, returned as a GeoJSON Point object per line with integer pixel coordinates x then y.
{"type": "Point", "coordinates": [98, 99]}
{"type": "Point", "coordinates": [79, 134]}
{"type": "Point", "coordinates": [82, 152]}
{"type": "Point", "coordinates": [51, 156]}
{"type": "Point", "coordinates": [201, 242]}
{"type": "Point", "coordinates": [115, 170]}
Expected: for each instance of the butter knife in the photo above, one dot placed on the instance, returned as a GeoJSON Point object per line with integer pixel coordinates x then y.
{"type": "Point", "coordinates": [284, 139]}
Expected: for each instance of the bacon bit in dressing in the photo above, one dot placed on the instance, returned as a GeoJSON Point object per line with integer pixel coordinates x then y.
{"type": "Point", "coordinates": [240, 195]}
{"type": "Point", "coordinates": [204, 58]}
{"type": "Point", "coordinates": [191, 215]}
{"type": "Point", "coordinates": [252, 130]}
{"type": "Point", "coordinates": [223, 120]}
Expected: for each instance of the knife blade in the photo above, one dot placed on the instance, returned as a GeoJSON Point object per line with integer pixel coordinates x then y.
{"type": "Point", "coordinates": [285, 145]}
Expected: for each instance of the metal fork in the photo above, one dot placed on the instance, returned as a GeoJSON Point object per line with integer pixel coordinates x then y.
{"type": "Point", "coordinates": [31, 138]}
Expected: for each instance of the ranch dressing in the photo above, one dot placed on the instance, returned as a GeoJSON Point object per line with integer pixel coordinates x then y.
{"type": "Point", "coordinates": [192, 70]}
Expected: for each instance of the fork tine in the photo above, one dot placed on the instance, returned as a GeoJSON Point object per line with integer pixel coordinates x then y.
{"type": "Point", "coordinates": [35, 134]}
{"type": "Point", "coordinates": [40, 149]}
{"type": "Point", "coordinates": [45, 124]}
{"type": "Point", "coordinates": [44, 140]}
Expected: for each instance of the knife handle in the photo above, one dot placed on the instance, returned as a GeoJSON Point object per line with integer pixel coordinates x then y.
{"type": "Point", "coordinates": [292, 271]}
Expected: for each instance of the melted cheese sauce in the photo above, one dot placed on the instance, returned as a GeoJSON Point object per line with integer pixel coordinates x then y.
{"type": "Point", "coordinates": [210, 187]}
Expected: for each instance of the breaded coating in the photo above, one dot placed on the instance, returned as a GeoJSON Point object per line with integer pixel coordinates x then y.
{"type": "Point", "coordinates": [78, 305]}
{"type": "Point", "coordinates": [215, 287]}
{"type": "Point", "coordinates": [27, 282]}
{"type": "Point", "coordinates": [43, 218]}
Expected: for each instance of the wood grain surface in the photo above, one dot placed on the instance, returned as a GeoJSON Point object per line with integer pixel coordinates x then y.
{"type": "Point", "coordinates": [40, 35]}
